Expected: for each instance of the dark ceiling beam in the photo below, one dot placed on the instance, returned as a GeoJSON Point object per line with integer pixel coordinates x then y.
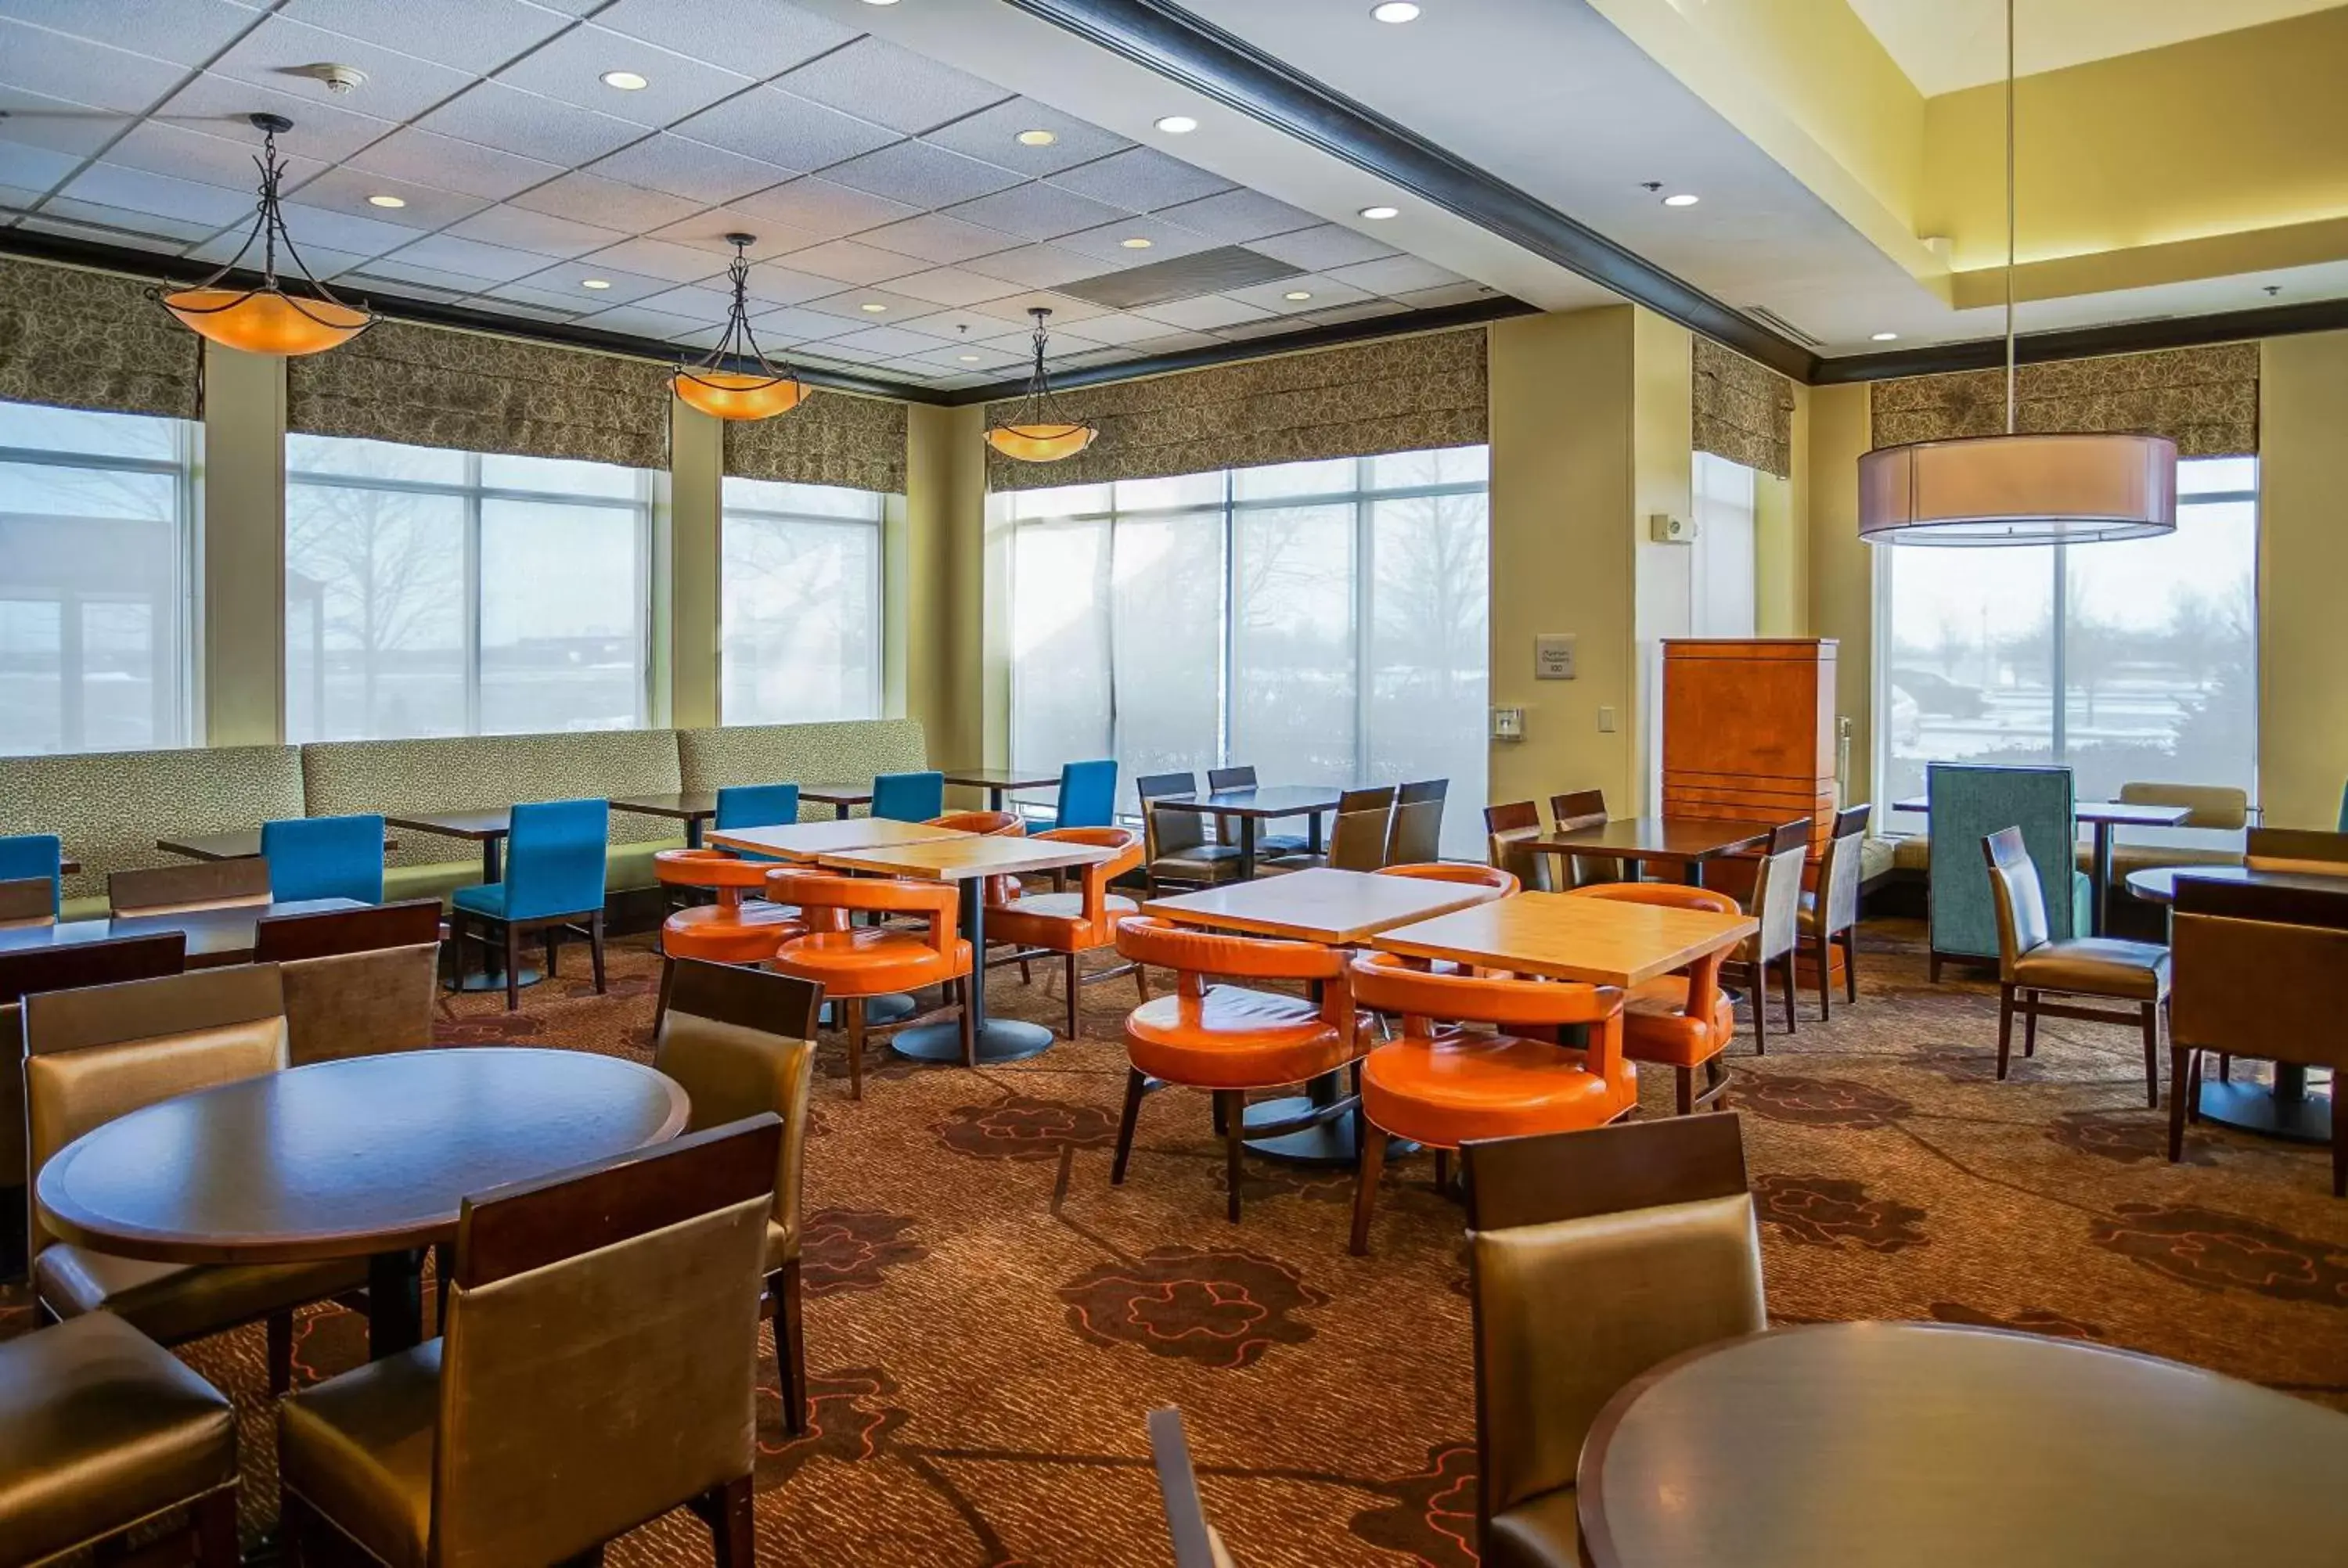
{"type": "Point", "coordinates": [1200, 56]}
{"type": "Point", "coordinates": [2087, 343]}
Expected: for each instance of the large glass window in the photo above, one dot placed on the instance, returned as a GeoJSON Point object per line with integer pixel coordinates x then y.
{"type": "Point", "coordinates": [1324, 623]}
{"type": "Point", "coordinates": [95, 651]}
{"type": "Point", "coordinates": [799, 623]}
{"type": "Point", "coordinates": [2130, 661]}
{"type": "Point", "coordinates": [431, 592]}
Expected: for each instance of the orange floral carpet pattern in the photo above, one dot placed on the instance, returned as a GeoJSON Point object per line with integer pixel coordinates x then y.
{"type": "Point", "coordinates": [988, 1320]}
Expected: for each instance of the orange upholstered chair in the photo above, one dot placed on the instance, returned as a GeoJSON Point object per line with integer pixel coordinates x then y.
{"type": "Point", "coordinates": [739, 928]}
{"type": "Point", "coordinates": [991, 824]}
{"type": "Point", "coordinates": [1465, 871]}
{"type": "Point", "coordinates": [1229, 1040]}
{"type": "Point", "coordinates": [1444, 1086]}
{"type": "Point", "coordinates": [1680, 1021]}
{"type": "Point", "coordinates": [854, 962]}
{"type": "Point", "coordinates": [1072, 924]}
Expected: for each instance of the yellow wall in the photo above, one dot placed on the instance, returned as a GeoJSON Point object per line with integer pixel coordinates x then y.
{"type": "Point", "coordinates": [685, 629]}
{"type": "Point", "coordinates": [2302, 570]}
{"type": "Point", "coordinates": [1841, 574]}
{"type": "Point", "coordinates": [1781, 562]}
{"type": "Point", "coordinates": [240, 546]}
{"type": "Point", "coordinates": [942, 607]}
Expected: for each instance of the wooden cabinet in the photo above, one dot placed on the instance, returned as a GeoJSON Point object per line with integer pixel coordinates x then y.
{"type": "Point", "coordinates": [1749, 731]}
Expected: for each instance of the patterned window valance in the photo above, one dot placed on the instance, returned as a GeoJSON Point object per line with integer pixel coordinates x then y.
{"type": "Point", "coordinates": [1399, 394]}
{"type": "Point", "coordinates": [79, 339]}
{"type": "Point", "coordinates": [1743, 411]}
{"type": "Point", "coordinates": [2204, 399]}
{"type": "Point", "coordinates": [833, 438]}
{"type": "Point", "coordinates": [433, 386]}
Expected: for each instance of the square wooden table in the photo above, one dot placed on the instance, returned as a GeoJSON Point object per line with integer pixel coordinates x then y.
{"type": "Point", "coordinates": [244, 844]}
{"type": "Point", "coordinates": [809, 841]}
{"type": "Point", "coordinates": [1559, 936]}
{"type": "Point", "coordinates": [2103, 816]}
{"type": "Point", "coordinates": [487, 827]}
{"type": "Point", "coordinates": [999, 782]}
{"type": "Point", "coordinates": [1264, 802]}
{"type": "Point", "coordinates": [1686, 841]}
{"type": "Point", "coordinates": [840, 797]}
{"type": "Point", "coordinates": [1335, 908]}
{"type": "Point", "coordinates": [693, 807]}
{"type": "Point", "coordinates": [215, 937]}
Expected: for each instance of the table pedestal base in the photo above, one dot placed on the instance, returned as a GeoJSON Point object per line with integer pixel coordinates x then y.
{"type": "Point", "coordinates": [2286, 1111]}
{"type": "Point", "coordinates": [395, 1303]}
{"type": "Point", "coordinates": [999, 1040]}
{"type": "Point", "coordinates": [877, 1011]}
{"type": "Point", "coordinates": [481, 980]}
{"type": "Point", "coordinates": [1336, 1141]}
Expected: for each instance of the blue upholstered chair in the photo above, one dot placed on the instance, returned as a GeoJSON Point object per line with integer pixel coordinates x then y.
{"type": "Point", "coordinates": [554, 882]}
{"type": "Point", "coordinates": [324, 857]}
{"type": "Point", "coordinates": [757, 806]}
{"type": "Point", "coordinates": [25, 856]}
{"type": "Point", "coordinates": [1088, 795]}
{"type": "Point", "coordinates": [2344, 808]}
{"type": "Point", "coordinates": [1969, 803]}
{"type": "Point", "coordinates": [910, 797]}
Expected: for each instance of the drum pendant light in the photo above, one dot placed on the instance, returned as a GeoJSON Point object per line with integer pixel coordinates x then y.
{"type": "Point", "coordinates": [1038, 432]}
{"type": "Point", "coordinates": [726, 394]}
{"type": "Point", "coordinates": [267, 319]}
{"type": "Point", "coordinates": [2017, 489]}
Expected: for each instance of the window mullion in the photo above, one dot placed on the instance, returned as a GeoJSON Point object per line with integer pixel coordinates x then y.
{"type": "Point", "coordinates": [473, 590]}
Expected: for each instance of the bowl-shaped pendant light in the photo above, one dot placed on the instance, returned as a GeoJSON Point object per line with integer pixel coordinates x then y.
{"type": "Point", "coordinates": [266, 319]}
{"type": "Point", "coordinates": [1036, 432]}
{"type": "Point", "coordinates": [759, 393]}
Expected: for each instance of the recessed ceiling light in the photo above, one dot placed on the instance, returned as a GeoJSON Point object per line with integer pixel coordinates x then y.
{"type": "Point", "coordinates": [1882, 337]}
{"type": "Point", "coordinates": [1683, 199]}
{"type": "Point", "coordinates": [1136, 243]}
{"type": "Point", "coordinates": [1296, 294]}
{"type": "Point", "coordinates": [626, 81]}
{"type": "Point", "coordinates": [1178, 124]}
{"type": "Point", "coordinates": [594, 284]}
{"type": "Point", "coordinates": [387, 201]}
{"type": "Point", "coordinates": [1037, 138]}
{"type": "Point", "coordinates": [967, 358]}
{"type": "Point", "coordinates": [1395, 11]}
{"type": "Point", "coordinates": [872, 307]}
{"type": "Point", "coordinates": [1380, 214]}
{"type": "Point", "coordinates": [880, 2]}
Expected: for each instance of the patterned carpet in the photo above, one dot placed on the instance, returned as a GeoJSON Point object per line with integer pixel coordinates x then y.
{"type": "Point", "coordinates": [989, 1320]}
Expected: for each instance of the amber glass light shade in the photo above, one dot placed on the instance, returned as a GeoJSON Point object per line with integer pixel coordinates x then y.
{"type": "Point", "coordinates": [732, 394]}
{"type": "Point", "coordinates": [1992, 490]}
{"type": "Point", "coordinates": [262, 320]}
{"type": "Point", "coordinates": [1041, 442]}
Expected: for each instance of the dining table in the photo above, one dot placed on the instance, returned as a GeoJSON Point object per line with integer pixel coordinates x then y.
{"type": "Point", "coordinates": [216, 937]}
{"type": "Point", "coordinates": [1252, 806]}
{"type": "Point", "coordinates": [806, 842]}
{"type": "Point", "coordinates": [1928, 1445]}
{"type": "Point", "coordinates": [1684, 844]}
{"type": "Point", "coordinates": [1565, 936]}
{"type": "Point", "coordinates": [696, 808]}
{"type": "Point", "coordinates": [2103, 817]}
{"type": "Point", "coordinates": [368, 1157]}
{"type": "Point", "coordinates": [238, 844]}
{"type": "Point", "coordinates": [486, 826]}
{"type": "Point", "coordinates": [999, 783]}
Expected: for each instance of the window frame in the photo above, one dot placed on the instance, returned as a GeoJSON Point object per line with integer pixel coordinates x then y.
{"type": "Point", "coordinates": [878, 525]}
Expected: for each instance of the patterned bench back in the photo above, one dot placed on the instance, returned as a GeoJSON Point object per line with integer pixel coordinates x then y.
{"type": "Point", "coordinates": [109, 808]}
{"type": "Point", "coordinates": [842, 752]}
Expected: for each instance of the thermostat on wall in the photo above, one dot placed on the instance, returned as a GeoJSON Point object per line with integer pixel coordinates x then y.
{"type": "Point", "coordinates": [1667, 529]}
{"type": "Point", "coordinates": [1508, 723]}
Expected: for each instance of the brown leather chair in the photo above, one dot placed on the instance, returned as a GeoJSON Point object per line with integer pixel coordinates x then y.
{"type": "Point", "coordinates": [1506, 829]}
{"type": "Point", "coordinates": [1174, 843]}
{"type": "Point", "coordinates": [1358, 841]}
{"type": "Point", "coordinates": [2029, 965]}
{"type": "Point", "coordinates": [1777, 904]}
{"type": "Point", "coordinates": [28, 901]}
{"type": "Point", "coordinates": [179, 890]}
{"type": "Point", "coordinates": [1227, 828]}
{"type": "Point", "coordinates": [101, 1431]}
{"type": "Point", "coordinates": [1592, 1257]}
{"type": "Point", "coordinates": [742, 1041]}
{"type": "Point", "coordinates": [1075, 924]}
{"type": "Point", "coordinates": [1575, 811]}
{"type": "Point", "coordinates": [1415, 836]}
{"type": "Point", "coordinates": [93, 1055]}
{"type": "Point", "coordinates": [2302, 849]}
{"type": "Point", "coordinates": [2260, 973]}
{"type": "Point", "coordinates": [599, 1367]}
{"type": "Point", "coordinates": [1829, 915]}
{"type": "Point", "coordinates": [358, 982]}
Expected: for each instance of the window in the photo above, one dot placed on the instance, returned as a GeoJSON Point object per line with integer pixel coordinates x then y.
{"type": "Point", "coordinates": [95, 575]}
{"type": "Point", "coordinates": [1324, 623]}
{"type": "Point", "coordinates": [431, 592]}
{"type": "Point", "coordinates": [2152, 645]}
{"type": "Point", "coordinates": [1721, 560]}
{"type": "Point", "coordinates": [799, 616]}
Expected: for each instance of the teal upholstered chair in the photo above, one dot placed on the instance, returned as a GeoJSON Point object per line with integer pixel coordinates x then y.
{"type": "Point", "coordinates": [324, 857]}
{"type": "Point", "coordinates": [757, 806]}
{"type": "Point", "coordinates": [1088, 795]}
{"type": "Point", "coordinates": [28, 855]}
{"type": "Point", "coordinates": [554, 881]}
{"type": "Point", "coordinates": [2344, 808]}
{"type": "Point", "coordinates": [1969, 803]}
{"type": "Point", "coordinates": [910, 797]}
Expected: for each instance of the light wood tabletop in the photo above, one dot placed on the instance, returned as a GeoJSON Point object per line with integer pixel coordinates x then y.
{"type": "Point", "coordinates": [966, 855]}
{"type": "Point", "coordinates": [1335, 908]}
{"type": "Point", "coordinates": [812, 840]}
{"type": "Point", "coordinates": [1601, 941]}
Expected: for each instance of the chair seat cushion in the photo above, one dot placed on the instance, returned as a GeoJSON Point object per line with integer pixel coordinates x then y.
{"type": "Point", "coordinates": [1232, 1038]}
{"type": "Point", "coordinates": [482, 898]}
{"type": "Point", "coordinates": [1470, 1086]}
{"type": "Point", "coordinates": [1057, 920]}
{"type": "Point", "coordinates": [747, 933]}
{"type": "Point", "coordinates": [1281, 844]}
{"type": "Point", "coordinates": [1657, 1029]}
{"type": "Point", "coordinates": [871, 960]}
{"type": "Point", "coordinates": [176, 1301]}
{"type": "Point", "coordinates": [1542, 1531]}
{"type": "Point", "coordinates": [2096, 965]}
{"type": "Point", "coordinates": [1209, 861]}
{"type": "Point", "coordinates": [359, 1449]}
{"type": "Point", "coordinates": [100, 1427]}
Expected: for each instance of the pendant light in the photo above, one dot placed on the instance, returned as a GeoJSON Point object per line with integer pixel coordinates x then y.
{"type": "Point", "coordinates": [739, 393]}
{"type": "Point", "coordinates": [268, 320]}
{"type": "Point", "coordinates": [1037, 433]}
{"type": "Point", "coordinates": [2017, 489]}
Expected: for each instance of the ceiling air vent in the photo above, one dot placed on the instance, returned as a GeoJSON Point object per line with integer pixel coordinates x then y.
{"type": "Point", "coordinates": [1184, 277]}
{"type": "Point", "coordinates": [1782, 327]}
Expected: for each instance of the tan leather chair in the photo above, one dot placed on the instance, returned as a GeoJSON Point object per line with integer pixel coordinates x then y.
{"type": "Point", "coordinates": [2029, 965]}
{"type": "Point", "coordinates": [28, 901]}
{"type": "Point", "coordinates": [2260, 973]}
{"type": "Point", "coordinates": [742, 1041]}
{"type": "Point", "coordinates": [1593, 1256]}
{"type": "Point", "coordinates": [1358, 840]}
{"type": "Point", "coordinates": [1174, 843]}
{"type": "Point", "coordinates": [1506, 829]}
{"type": "Point", "coordinates": [94, 1055]}
{"type": "Point", "coordinates": [358, 982]}
{"type": "Point", "coordinates": [181, 889]}
{"type": "Point", "coordinates": [1828, 916]}
{"type": "Point", "coordinates": [1777, 904]}
{"type": "Point", "coordinates": [1572, 812]}
{"type": "Point", "coordinates": [2310, 851]}
{"type": "Point", "coordinates": [101, 1431]}
{"type": "Point", "coordinates": [1415, 836]}
{"type": "Point", "coordinates": [599, 1367]}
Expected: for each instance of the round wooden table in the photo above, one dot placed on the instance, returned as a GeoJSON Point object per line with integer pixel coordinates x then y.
{"type": "Point", "coordinates": [1933, 1446]}
{"type": "Point", "coordinates": [371, 1156]}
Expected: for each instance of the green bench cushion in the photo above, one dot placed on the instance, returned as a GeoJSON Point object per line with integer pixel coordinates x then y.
{"type": "Point", "coordinates": [841, 753]}
{"type": "Point", "coordinates": [109, 808]}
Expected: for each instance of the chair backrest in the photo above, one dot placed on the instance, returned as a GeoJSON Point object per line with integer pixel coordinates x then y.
{"type": "Point", "coordinates": [1227, 828]}
{"type": "Point", "coordinates": [358, 982]}
{"type": "Point", "coordinates": [2297, 849]}
{"type": "Point", "coordinates": [1364, 821]}
{"type": "Point", "coordinates": [742, 1041]}
{"type": "Point", "coordinates": [2218, 807]}
{"type": "Point", "coordinates": [1416, 835]}
{"type": "Point", "coordinates": [93, 1055]}
{"type": "Point", "coordinates": [554, 859]}
{"type": "Point", "coordinates": [179, 889]}
{"type": "Point", "coordinates": [1427, 1002]}
{"type": "Point", "coordinates": [1703, 975]}
{"type": "Point", "coordinates": [1008, 824]}
{"type": "Point", "coordinates": [821, 893]}
{"type": "Point", "coordinates": [67, 968]}
{"type": "Point", "coordinates": [1968, 803]}
{"type": "Point", "coordinates": [1777, 891]}
{"type": "Point", "coordinates": [324, 857]}
{"type": "Point", "coordinates": [757, 806]}
{"type": "Point", "coordinates": [1126, 841]}
{"type": "Point", "coordinates": [1195, 956]}
{"type": "Point", "coordinates": [1838, 869]}
{"type": "Point", "coordinates": [602, 1322]}
{"type": "Point", "coordinates": [1168, 832]}
{"type": "Point", "coordinates": [909, 797]}
{"type": "Point", "coordinates": [34, 854]}
{"type": "Point", "coordinates": [2260, 971]}
{"type": "Point", "coordinates": [1592, 1257]}
{"type": "Point", "coordinates": [1466, 872]}
{"type": "Point", "coordinates": [1505, 827]}
{"type": "Point", "coordinates": [1088, 795]}
{"type": "Point", "coordinates": [28, 901]}
{"type": "Point", "coordinates": [2015, 895]}
{"type": "Point", "coordinates": [1196, 1544]}
{"type": "Point", "coordinates": [1586, 808]}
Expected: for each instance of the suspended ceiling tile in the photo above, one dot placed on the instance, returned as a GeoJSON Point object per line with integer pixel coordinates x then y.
{"type": "Point", "coordinates": [221, 106]}
{"type": "Point", "coordinates": [126, 225]}
{"type": "Point", "coordinates": [879, 81]}
{"type": "Point", "coordinates": [777, 128]}
{"type": "Point", "coordinates": [1318, 249]}
{"type": "Point", "coordinates": [1065, 345]}
{"type": "Point", "coordinates": [440, 280]}
{"type": "Point", "coordinates": [708, 175]}
{"type": "Point", "coordinates": [993, 134]}
{"type": "Point", "coordinates": [1015, 308]}
{"type": "Point", "coordinates": [29, 170]}
{"type": "Point", "coordinates": [1097, 356]}
{"type": "Point", "coordinates": [637, 322]}
{"type": "Point", "coordinates": [818, 208]}
{"type": "Point", "coordinates": [1322, 293]}
{"type": "Point", "coordinates": [1362, 309]}
{"type": "Point", "coordinates": [82, 71]}
{"type": "Point", "coordinates": [1240, 216]}
{"type": "Point", "coordinates": [1459, 293]}
{"type": "Point", "coordinates": [56, 125]}
{"type": "Point", "coordinates": [592, 198]}
{"type": "Point", "coordinates": [547, 300]}
{"type": "Point", "coordinates": [1395, 275]}
{"type": "Point", "coordinates": [1117, 328]}
{"type": "Point", "coordinates": [1036, 266]}
{"type": "Point", "coordinates": [520, 229]}
{"type": "Point", "coordinates": [528, 310]}
{"type": "Point", "coordinates": [418, 155]}
{"type": "Point", "coordinates": [935, 237]}
{"type": "Point", "coordinates": [697, 301]}
{"type": "Point", "coordinates": [971, 359]}
{"type": "Point", "coordinates": [185, 32]}
{"type": "Point", "coordinates": [851, 263]}
{"type": "Point", "coordinates": [1036, 212]}
{"type": "Point", "coordinates": [160, 148]}
{"type": "Point", "coordinates": [757, 37]}
{"type": "Point", "coordinates": [398, 86]}
{"type": "Point", "coordinates": [469, 258]}
{"type": "Point", "coordinates": [135, 191]}
{"type": "Point", "coordinates": [325, 262]}
{"type": "Point", "coordinates": [659, 259]}
{"type": "Point", "coordinates": [952, 286]}
{"type": "Point", "coordinates": [1173, 343]}
{"type": "Point", "coordinates": [1202, 312]}
{"type": "Point", "coordinates": [707, 231]}
{"type": "Point", "coordinates": [965, 327]}
{"type": "Point", "coordinates": [793, 324]}
{"type": "Point", "coordinates": [344, 231]}
{"type": "Point", "coordinates": [895, 308]}
{"type": "Point", "coordinates": [347, 189]}
{"type": "Point", "coordinates": [1240, 332]}
{"type": "Point", "coordinates": [571, 67]}
{"type": "Point", "coordinates": [476, 35]}
{"type": "Point", "coordinates": [1141, 180]}
{"type": "Point", "coordinates": [1107, 242]}
{"type": "Point", "coordinates": [495, 115]}
{"type": "Point", "coordinates": [921, 176]}
{"type": "Point", "coordinates": [567, 280]}
{"type": "Point", "coordinates": [885, 341]}
{"type": "Point", "coordinates": [777, 284]}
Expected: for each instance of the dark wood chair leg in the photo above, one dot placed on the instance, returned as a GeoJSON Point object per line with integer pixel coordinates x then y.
{"type": "Point", "coordinates": [1233, 1105]}
{"type": "Point", "coordinates": [2152, 1054]}
{"type": "Point", "coordinates": [213, 1521]}
{"type": "Point", "coordinates": [2181, 1069]}
{"type": "Point", "coordinates": [1792, 985]}
{"type": "Point", "coordinates": [2193, 1091]}
{"type": "Point", "coordinates": [1850, 964]}
{"type": "Point", "coordinates": [514, 968]}
{"type": "Point", "coordinates": [2225, 1067]}
{"type": "Point", "coordinates": [595, 947]}
{"type": "Point", "coordinates": [1760, 1000]}
{"type": "Point", "coordinates": [2004, 1029]}
{"type": "Point", "coordinates": [1371, 1166]}
{"type": "Point", "coordinates": [1136, 1086]}
{"type": "Point", "coordinates": [280, 1352]}
{"type": "Point", "coordinates": [1443, 1170]}
{"type": "Point", "coordinates": [1826, 978]}
{"type": "Point", "coordinates": [293, 1529]}
{"type": "Point", "coordinates": [790, 1344]}
{"type": "Point", "coordinates": [1932, 970]}
{"type": "Point", "coordinates": [2030, 1023]}
{"type": "Point", "coordinates": [1141, 982]}
{"type": "Point", "coordinates": [854, 1008]}
{"type": "Point", "coordinates": [2339, 1144]}
{"type": "Point", "coordinates": [733, 1531]}
{"type": "Point", "coordinates": [1687, 1089]}
{"type": "Point", "coordinates": [1072, 996]}
{"type": "Point", "coordinates": [552, 936]}
{"type": "Point", "coordinates": [660, 1003]}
